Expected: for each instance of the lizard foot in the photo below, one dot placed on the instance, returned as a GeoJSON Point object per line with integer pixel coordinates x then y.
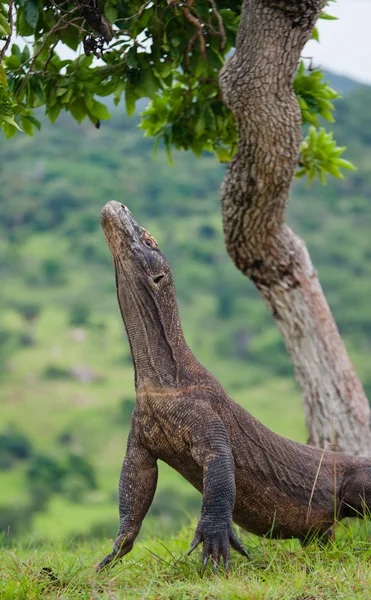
{"type": "Point", "coordinates": [217, 538]}
{"type": "Point", "coordinates": [121, 547]}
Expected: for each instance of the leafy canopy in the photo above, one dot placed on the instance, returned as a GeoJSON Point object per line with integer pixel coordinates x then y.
{"type": "Point", "coordinates": [169, 51]}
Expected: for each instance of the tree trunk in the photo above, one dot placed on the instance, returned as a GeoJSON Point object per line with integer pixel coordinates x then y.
{"type": "Point", "coordinates": [256, 83]}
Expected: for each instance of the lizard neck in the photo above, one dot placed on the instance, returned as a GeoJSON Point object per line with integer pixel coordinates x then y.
{"type": "Point", "coordinates": [160, 354]}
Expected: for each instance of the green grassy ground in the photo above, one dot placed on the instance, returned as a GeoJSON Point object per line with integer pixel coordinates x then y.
{"type": "Point", "coordinates": [161, 570]}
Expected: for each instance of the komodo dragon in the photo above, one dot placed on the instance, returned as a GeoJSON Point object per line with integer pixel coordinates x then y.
{"type": "Point", "coordinates": [265, 483]}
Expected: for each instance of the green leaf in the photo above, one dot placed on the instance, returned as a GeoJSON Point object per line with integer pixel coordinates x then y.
{"type": "Point", "coordinates": [327, 115]}
{"type": "Point", "coordinates": [16, 50]}
{"type": "Point", "coordinates": [9, 130]}
{"type": "Point", "coordinates": [89, 101]}
{"type": "Point", "coordinates": [302, 104]}
{"type": "Point", "coordinates": [345, 164]}
{"type": "Point", "coordinates": [315, 34]}
{"type": "Point", "coordinates": [149, 84]}
{"type": "Point", "coordinates": [328, 17]}
{"type": "Point", "coordinates": [4, 25]}
{"type": "Point", "coordinates": [111, 13]}
{"type": "Point", "coordinates": [71, 37]}
{"type": "Point", "coordinates": [35, 122]}
{"type": "Point", "coordinates": [31, 11]}
{"type": "Point", "coordinates": [10, 121]}
{"type": "Point", "coordinates": [169, 156]}
{"type": "Point", "coordinates": [77, 109]}
{"type": "Point", "coordinates": [166, 68]}
{"type": "Point", "coordinates": [333, 170]}
{"type": "Point", "coordinates": [61, 91]}
{"type": "Point", "coordinates": [3, 79]}
{"type": "Point", "coordinates": [118, 93]}
{"type": "Point", "coordinates": [37, 88]}
{"type": "Point", "coordinates": [200, 126]}
{"type": "Point", "coordinates": [100, 111]}
{"type": "Point", "coordinates": [25, 56]}
{"type": "Point", "coordinates": [322, 177]}
{"type": "Point", "coordinates": [27, 125]}
{"type": "Point", "coordinates": [22, 27]}
{"type": "Point", "coordinates": [223, 154]}
{"type": "Point", "coordinates": [13, 62]}
{"type": "Point", "coordinates": [66, 97]}
{"type": "Point", "coordinates": [155, 147]}
{"type": "Point", "coordinates": [130, 100]}
{"type": "Point", "coordinates": [53, 112]}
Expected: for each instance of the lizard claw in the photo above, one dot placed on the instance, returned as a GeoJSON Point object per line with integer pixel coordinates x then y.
{"type": "Point", "coordinates": [236, 544]}
{"type": "Point", "coordinates": [196, 540]}
{"type": "Point", "coordinates": [205, 560]}
{"type": "Point", "coordinates": [103, 563]}
{"type": "Point", "coordinates": [226, 567]}
{"type": "Point", "coordinates": [217, 538]}
{"type": "Point", "coordinates": [121, 547]}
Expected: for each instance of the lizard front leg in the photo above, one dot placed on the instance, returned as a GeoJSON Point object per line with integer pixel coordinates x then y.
{"type": "Point", "coordinates": [212, 451]}
{"type": "Point", "coordinates": [137, 487]}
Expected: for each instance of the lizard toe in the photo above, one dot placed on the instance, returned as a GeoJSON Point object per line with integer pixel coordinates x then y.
{"type": "Point", "coordinates": [236, 544]}
{"type": "Point", "coordinates": [195, 542]}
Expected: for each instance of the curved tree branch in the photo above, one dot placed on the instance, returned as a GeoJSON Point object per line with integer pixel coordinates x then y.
{"type": "Point", "coordinates": [256, 84]}
{"type": "Point", "coordinates": [9, 38]}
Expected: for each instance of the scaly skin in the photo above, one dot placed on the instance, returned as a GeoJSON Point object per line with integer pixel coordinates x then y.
{"type": "Point", "coordinates": [265, 483]}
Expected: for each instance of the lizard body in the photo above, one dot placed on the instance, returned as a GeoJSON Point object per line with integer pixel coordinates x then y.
{"type": "Point", "coordinates": [265, 483]}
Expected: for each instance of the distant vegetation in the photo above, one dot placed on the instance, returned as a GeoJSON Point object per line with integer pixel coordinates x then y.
{"type": "Point", "coordinates": [66, 390]}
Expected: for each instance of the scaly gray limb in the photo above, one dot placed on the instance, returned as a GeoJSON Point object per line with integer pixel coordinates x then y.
{"type": "Point", "coordinates": [265, 483]}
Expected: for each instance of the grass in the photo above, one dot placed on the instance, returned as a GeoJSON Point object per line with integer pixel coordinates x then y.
{"type": "Point", "coordinates": [162, 570]}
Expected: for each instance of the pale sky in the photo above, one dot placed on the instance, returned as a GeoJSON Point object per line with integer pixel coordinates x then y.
{"type": "Point", "coordinates": [345, 45]}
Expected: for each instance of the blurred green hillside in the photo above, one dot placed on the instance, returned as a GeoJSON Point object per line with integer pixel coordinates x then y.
{"type": "Point", "coordinates": [66, 381]}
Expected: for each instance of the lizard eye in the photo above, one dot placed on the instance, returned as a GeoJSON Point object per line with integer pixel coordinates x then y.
{"type": "Point", "coordinates": [148, 242]}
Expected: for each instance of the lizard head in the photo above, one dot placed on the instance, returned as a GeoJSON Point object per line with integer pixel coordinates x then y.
{"type": "Point", "coordinates": [147, 299]}
{"type": "Point", "coordinates": [134, 250]}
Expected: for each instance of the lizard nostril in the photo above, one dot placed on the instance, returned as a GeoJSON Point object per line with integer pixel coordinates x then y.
{"type": "Point", "coordinates": [158, 278]}
{"type": "Point", "coordinates": [125, 208]}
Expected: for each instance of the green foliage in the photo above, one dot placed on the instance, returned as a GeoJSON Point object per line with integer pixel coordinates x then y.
{"type": "Point", "coordinates": [29, 310]}
{"type": "Point", "coordinates": [80, 314]}
{"type": "Point", "coordinates": [168, 52]}
{"type": "Point", "coordinates": [314, 96]}
{"type": "Point", "coordinates": [14, 446]}
{"type": "Point", "coordinates": [14, 115]}
{"type": "Point", "coordinates": [48, 475]}
{"type": "Point", "coordinates": [45, 475]}
{"type": "Point", "coordinates": [319, 155]}
{"type": "Point", "coordinates": [326, 17]}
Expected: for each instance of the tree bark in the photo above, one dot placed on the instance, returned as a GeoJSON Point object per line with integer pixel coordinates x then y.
{"type": "Point", "coordinates": [256, 83]}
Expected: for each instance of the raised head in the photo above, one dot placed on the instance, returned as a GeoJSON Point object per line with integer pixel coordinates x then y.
{"type": "Point", "coordinates": [132, 246]}
{"type": "Point", "coordinates": [146, 296]}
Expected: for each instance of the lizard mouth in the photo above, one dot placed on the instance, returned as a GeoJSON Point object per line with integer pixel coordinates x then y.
{"type": "Point", "coordinates": [110, 212]}
{"type": "Point", "coordinates": [119, 227]}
